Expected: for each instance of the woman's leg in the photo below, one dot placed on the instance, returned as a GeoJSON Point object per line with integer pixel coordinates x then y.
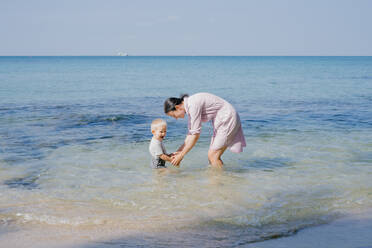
{"type": "Point", "coordinates": [214, 157]}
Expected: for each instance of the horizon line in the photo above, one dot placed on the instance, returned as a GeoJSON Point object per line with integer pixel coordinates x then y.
{"type": "Point", "coordinates": [182, 55]}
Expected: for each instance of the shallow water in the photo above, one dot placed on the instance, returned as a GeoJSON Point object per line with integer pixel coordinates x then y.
{"type": "Point", "coordinates": [74, 136]}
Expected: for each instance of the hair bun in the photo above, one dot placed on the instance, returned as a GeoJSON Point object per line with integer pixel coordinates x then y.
{"type": "Point", "coordinates": [183, 96]}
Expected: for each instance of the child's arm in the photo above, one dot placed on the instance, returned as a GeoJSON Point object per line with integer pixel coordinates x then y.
{"type": "Point", "coordinates": [166, 157]}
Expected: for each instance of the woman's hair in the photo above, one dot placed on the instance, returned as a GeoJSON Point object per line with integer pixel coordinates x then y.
{"type": "Point", "coordinates": [171, 103]}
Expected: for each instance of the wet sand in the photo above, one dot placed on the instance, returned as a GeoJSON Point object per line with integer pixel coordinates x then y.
{"type": "Point", "coordinates": [353, 231]}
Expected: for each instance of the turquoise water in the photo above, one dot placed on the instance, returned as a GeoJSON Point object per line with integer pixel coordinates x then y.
{"type": "Point", "coordinates": [74, 134]}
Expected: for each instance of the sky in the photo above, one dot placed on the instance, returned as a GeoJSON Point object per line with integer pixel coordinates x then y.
{"type": "Point", "coordinates": [188, 27]}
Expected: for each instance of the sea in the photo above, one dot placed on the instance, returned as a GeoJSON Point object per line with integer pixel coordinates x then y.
{"type": "Point", "coordinates": [75, 166]}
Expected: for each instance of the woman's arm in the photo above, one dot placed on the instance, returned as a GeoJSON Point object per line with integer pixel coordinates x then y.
{"type": "Point", "coordinates": [189, 143]}
{"type": "Point", "coordinates": [181, 147]}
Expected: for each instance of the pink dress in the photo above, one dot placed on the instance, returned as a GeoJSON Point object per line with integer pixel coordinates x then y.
{"type": "Point", "coordinates": [227, 129]}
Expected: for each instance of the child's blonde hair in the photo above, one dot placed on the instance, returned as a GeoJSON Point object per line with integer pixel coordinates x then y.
{"type": "Point", "coordinates": [158, 123]}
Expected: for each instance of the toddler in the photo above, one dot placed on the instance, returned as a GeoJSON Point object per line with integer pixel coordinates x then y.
{"type": "Point", "coordinates": [157, 149]}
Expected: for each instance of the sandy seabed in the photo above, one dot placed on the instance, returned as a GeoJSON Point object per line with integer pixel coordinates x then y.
{"type": "Point", "coordinates": [351, 231]}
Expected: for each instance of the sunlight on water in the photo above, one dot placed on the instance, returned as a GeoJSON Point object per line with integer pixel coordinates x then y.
{"type": "Point", "coordinates": [74, 163]}
{"type": "Point", "coordinates": [277, 188]}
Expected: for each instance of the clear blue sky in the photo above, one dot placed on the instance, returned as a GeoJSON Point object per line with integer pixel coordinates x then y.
{"type": "Point", "coordinates": [188, 27]}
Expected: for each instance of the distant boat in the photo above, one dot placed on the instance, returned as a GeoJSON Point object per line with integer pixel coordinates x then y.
{"type": "Point", "coordinates": [122, 54]}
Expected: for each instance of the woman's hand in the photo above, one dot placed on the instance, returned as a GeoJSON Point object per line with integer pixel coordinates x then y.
{"type": "Point", "coordinates": [173, 154]}
{"type": "Point", "coordinates": [184, 149]}
{"type": "Point", "coordinates": [176, 159]}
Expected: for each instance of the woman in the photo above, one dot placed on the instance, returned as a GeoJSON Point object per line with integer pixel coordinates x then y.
{"type": "Point", "coordinates": [203, 107]}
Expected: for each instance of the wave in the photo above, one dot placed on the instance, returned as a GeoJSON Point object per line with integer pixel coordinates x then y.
{"type": "Point", "coordinates": [27, 182]}
{"type": "Point", "coordinates": [84, 120]}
